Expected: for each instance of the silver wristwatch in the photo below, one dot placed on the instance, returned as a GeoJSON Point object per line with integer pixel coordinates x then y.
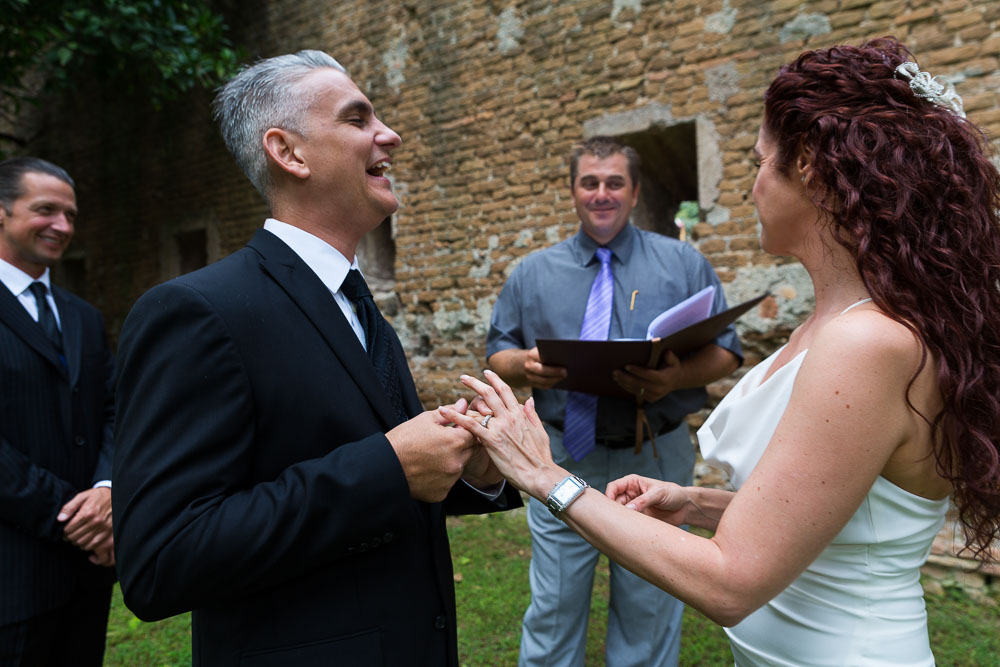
{"type": "Point", "coordinates": [564, 493]}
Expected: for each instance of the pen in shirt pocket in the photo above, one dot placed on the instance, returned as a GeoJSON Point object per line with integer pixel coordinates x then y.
{"type": "Point", "coordinates": [631, 309]}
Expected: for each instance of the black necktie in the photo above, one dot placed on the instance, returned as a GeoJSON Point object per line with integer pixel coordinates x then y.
{"type": "Point", "coordinates": [379, 337]}
{"type": "Point", "coordinates": [46, 318]}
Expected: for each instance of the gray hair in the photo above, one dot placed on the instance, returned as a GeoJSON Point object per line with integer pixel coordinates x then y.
{"type": "Point", "coordinates": [260, 97]}
{"type": "Point", "coordinates": [12, 173]}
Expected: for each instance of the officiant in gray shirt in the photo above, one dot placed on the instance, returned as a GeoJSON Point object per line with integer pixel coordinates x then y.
{"type": "Point", "coordinates": [608, 281]}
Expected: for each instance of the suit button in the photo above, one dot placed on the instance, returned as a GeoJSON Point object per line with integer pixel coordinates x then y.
{"type": "Point", "coordinates": [387, 538]}
{"type": "Point", "coordinates": [376, 542]}
{"type": "Point", "coordinates": [363, 547]}
{"type": "Point", "coordinates": [79, 441]}
{"type": "Point", "coordinates": [351, 549]}
{"type": "Point", "coordinates": [440, 623]}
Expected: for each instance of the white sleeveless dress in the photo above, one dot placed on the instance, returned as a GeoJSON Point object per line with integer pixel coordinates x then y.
{"type": "Point", "coordinates": [860, 602]}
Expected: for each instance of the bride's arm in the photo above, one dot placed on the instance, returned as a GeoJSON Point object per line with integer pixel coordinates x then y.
{"type": "Point", "coordinates": [846, 416]}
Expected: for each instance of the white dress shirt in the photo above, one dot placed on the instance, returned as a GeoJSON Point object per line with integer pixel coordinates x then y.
{"type": "Point", "coordinates": [18, 282]}
{"type": "Point", "coordinates": [326, 262]}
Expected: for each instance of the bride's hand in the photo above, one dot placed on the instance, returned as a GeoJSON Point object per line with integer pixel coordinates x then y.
{"type": "Point", "coordinates": [513, 436]}
{"type": "Point", "coordinates": [665, 501]}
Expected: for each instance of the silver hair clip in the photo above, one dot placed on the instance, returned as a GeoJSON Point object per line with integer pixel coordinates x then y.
{"type": "Point", "coordinates": [928, 87]}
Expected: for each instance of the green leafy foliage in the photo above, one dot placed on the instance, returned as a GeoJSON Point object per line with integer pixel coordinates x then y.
{"type": "Point", "coordinates": [688, 212]}
{"type": "Point", "coordinates": [159, 47]}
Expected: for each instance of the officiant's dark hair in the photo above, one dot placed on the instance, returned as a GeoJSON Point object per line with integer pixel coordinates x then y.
{"type": "Point", "coordinates": [604, 147]}
{"type": "Point", "coordinates": [909, 189]}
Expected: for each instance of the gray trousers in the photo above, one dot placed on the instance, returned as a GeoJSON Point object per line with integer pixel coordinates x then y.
{"type": "Point", "coordinates": [644, 623]}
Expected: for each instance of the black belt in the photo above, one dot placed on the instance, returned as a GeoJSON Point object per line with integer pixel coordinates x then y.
{"type": "Point", "coordinates": [625, 441]}
{"type": "Point", "coordinates": [616, 441]}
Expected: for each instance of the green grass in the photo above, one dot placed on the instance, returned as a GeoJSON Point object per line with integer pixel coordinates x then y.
{"type": "Point", "coordinates": [132, 643]}
{"type": "Point", "coordinates": [963, 633]}
{"type": "Point", "coordinates": [491, 555]}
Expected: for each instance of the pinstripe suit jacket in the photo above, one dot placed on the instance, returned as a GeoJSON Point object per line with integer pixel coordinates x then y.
{"type": "Point", "coordinates": [56, 424]}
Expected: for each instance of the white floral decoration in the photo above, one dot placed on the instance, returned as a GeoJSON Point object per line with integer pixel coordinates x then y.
{"type": "Point", "coordinates": [930, 88]}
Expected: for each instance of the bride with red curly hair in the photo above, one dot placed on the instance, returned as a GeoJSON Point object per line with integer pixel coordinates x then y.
{"type": "Point", "coordinates": [846, 444]}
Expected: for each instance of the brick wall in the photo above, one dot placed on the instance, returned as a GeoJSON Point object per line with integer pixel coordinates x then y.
{"type": "Point", "coordinates": [489, 98]}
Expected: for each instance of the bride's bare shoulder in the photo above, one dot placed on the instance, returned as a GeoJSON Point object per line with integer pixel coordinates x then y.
{"type": "Point", "coordinates": [865, 338]}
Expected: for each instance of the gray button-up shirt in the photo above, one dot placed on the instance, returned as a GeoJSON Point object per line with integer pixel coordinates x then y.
{"type": "Point", "coordinates": [546, 296]}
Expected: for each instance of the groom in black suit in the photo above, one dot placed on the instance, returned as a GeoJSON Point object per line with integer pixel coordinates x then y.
{"type": "Point", "coordinates": [274, 470]}
{"type": "Point", "coordinates": [56, 419]}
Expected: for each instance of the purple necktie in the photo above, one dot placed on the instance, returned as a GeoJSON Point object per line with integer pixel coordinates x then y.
{"type": "Point", "coordinates": [581, 409]}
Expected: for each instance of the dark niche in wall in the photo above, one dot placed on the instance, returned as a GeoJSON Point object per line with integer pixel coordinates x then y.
{"type": "Point", "coordinates": [192, 250]}
{"type": "Point", "coordinates": [669, 174]}
{"type": "Point", "coordinates": [377, 257]}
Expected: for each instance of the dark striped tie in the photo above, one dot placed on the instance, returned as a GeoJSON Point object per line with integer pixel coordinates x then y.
{"type": "Point", "coordinates": [379, 338]}
{"type": "Point", "coordinates": [46, 318]}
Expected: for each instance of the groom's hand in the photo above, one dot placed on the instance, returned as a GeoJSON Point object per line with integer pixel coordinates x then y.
{"type": "Point", "coordinates": [480, 471]}
{"type": "Point", "coordinates": [432, 453]}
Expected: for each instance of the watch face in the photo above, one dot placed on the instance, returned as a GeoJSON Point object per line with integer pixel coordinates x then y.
{"type": "Point", "coordinates": [565, 491]}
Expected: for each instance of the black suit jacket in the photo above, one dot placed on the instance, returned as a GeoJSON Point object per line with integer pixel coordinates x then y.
{"type": "Point", "coordinates": [253, 482]}
{"type": "Point", "coordinates": [55, 441]}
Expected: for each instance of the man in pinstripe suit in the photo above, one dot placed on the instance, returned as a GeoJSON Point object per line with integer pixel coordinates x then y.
{"type": "Point", "coordinates": [56, 419]}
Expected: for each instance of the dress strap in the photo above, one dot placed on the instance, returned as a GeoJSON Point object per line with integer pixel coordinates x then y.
{"type": "Point", "coordinates": [855, 304]}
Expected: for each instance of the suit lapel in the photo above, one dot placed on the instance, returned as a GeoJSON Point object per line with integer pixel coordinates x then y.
{"type": "Point", "coordinates": [309, 293]}
{"type": "Point", "coordinates": [69, 318]}
{"type": "Point", "coordinates": [411, 400]}
{"type": "Point", "coordinates": [13, 314]}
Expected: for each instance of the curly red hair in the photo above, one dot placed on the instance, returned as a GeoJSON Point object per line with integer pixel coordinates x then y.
{"type": "Point", "coordinates": [912, 194]}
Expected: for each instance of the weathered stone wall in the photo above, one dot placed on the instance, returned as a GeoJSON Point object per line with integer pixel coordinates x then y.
{"type": "Point", "coordinates": [489, 98]}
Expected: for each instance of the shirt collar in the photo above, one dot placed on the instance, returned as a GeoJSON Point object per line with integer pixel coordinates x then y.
{"type": "Point", "coordinates": [621, 245]}
{"type": "Point", "coordinates": [17, 280]}
{"type": "Point", "coordinates": [326, 261]}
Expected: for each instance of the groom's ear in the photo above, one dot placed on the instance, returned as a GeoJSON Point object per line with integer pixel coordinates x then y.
{"type": "Point", "coordinates": [282, 148]}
